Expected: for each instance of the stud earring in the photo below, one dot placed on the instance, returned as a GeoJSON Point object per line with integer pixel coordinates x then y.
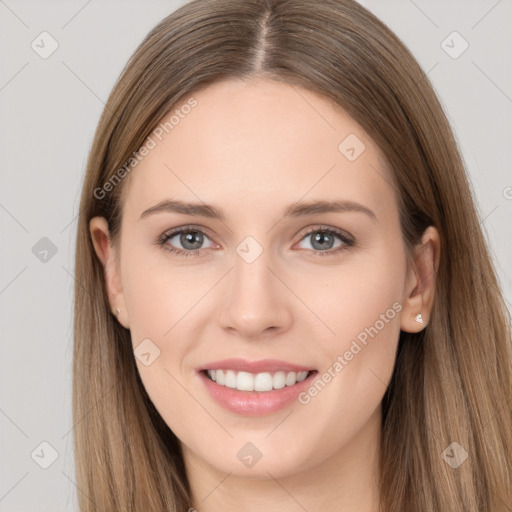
{"type": "Point", "coordinates": [117, 312]}
{"type": "Point", "coordinates": [419, 318]}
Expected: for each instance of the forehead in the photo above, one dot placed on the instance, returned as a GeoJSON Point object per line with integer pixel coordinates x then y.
{"type": "Point", "coordinates": [257, 145]}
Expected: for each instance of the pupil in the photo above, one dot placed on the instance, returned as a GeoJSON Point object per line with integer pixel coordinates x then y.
{"type": "Point", "coordinates": [189, 238]}
{"type": "Point", "coordinates": [321, 238]}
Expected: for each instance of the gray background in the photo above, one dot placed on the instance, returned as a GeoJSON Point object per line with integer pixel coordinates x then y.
{"type": "Point", "coordinates": [48, 111]}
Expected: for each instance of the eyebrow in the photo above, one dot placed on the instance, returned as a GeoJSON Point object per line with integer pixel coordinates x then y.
{"type": "Point", "coordinates": [293, 210]}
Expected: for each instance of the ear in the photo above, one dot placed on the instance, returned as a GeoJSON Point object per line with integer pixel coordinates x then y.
{"type": "Point", "coordinates": [421, 281]}
{"type": "Point", "coordinates": [106, 253]}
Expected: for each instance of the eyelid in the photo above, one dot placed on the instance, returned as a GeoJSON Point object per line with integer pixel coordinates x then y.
{"type": "Point", "coordinates": [322, 227]}
{"type": "Point", "coordinates": [171, 233]}
{"type": "Point", "coordinates": [187, 227]}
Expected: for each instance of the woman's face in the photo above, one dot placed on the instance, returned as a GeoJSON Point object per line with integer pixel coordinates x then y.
{"type": "Point", "coordinates": [294, 263]}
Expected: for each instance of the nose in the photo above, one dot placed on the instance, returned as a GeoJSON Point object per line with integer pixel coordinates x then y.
{"type": "Point", "coordinates": [256, 303]}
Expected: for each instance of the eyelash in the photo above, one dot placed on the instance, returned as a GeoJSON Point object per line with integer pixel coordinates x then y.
{"type": "Point", "coordinates": [347, 241]}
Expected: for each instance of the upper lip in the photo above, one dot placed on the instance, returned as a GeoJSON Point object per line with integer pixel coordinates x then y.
{"type": "Point", "coordinates": [263, 365]}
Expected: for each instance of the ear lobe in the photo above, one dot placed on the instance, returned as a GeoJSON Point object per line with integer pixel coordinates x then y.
{"type": "Point", "coordinates": [106, 253]}
{"type": "Point", "coordinates": [421, 280]}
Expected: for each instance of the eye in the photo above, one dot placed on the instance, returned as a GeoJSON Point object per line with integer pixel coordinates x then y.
{"type": "Point", "coordinates": [190, 239]}
{"type": "Point", "coordinates": [322, 239]}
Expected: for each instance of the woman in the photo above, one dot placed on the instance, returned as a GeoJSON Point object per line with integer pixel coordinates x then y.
{"type": "Point", "coordinates": [284, 298]}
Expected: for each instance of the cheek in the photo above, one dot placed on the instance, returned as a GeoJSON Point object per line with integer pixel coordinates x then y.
{"type": "Point", "coordinates": [164, 302]}
{"type": "Point", "coordinates": [160, 301]}
{"type": "Point", "coordinates": [362, 307]}
{"type": "Point", "coordinates": [160, 295]}
{"type": "Point", "coordinates": [364, 291]}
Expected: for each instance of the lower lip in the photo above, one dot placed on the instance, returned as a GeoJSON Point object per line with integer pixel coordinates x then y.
{"type": "Point", "coordinates": [255, 403]}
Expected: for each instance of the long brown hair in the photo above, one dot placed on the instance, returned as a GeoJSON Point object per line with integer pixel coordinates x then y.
{"type": "Point", "coordinates": [451, 383]}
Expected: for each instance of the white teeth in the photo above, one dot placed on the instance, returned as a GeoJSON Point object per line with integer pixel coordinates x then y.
{"type": "Point", "coordinates": [301, 376]}
{"type": "Point", "coordinates": [230, 379]}
{"type": "Point", "coordinates": [265, 381]}
{"type": "Point", "coordinates": [279, 380]}
{"type": "Point", "coordinates": [244, 381]}
{"type": "Point", "coordinates": [291, 379]}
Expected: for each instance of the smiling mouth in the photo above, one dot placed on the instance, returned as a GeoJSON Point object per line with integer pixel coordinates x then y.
{"type": "Point", "coordinates": [264, 381]}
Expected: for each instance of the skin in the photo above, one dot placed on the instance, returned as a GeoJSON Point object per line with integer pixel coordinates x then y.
{"type": "Point", "coordinates": [252, 149]}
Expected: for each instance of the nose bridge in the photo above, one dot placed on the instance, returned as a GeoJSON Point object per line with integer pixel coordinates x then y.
{"type": "Point", "coordinates": [256, 300]}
